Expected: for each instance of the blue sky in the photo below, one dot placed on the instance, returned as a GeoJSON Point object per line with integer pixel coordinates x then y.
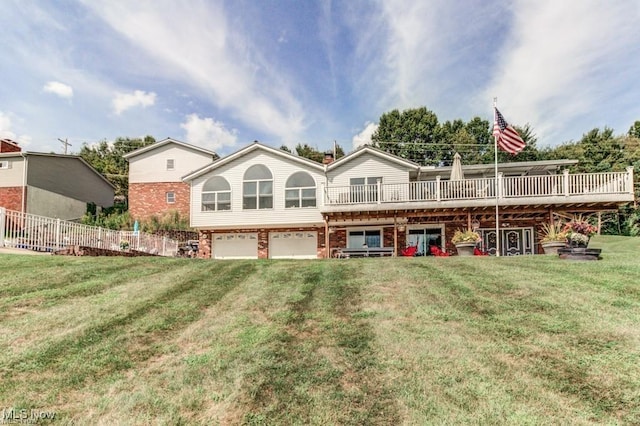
{"type": "Point", "coordinates": [222, 74]}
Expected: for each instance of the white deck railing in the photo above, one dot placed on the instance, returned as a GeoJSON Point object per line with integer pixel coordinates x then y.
{"type": "Point", "coordinates": [39, 233]}
{"type": "Point", "coordinates": [565, 185]}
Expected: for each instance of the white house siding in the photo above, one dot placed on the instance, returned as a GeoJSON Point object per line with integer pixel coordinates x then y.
{"type": "Point", "coordinates": [368, 165]}
{"type": "Point", "coordinates": [14, 174]}
{"type": "Point", "coordinates": [281, 168]}
{"type": "Point", "coordinates": [151, 166]}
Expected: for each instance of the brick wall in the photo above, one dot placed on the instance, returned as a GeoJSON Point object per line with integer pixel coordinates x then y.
{"type": "Point", "coordinates": [7, 145]}
{"type": "Point", "coordinates": [148, 199]}
{"type": "Point", "coordinates": [11, 198]}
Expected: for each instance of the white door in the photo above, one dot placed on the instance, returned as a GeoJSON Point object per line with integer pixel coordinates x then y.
{"type": "Point", "coordinates": [293, 245]}
{"type": "Point", "coordinates": [235, 246]}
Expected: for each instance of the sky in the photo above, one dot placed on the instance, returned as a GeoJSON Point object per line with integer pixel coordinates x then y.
{"type": "Point", "coordinates": [221, 74]}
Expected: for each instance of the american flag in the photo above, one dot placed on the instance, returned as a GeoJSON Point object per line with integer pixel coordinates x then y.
{"type": "Point", "coordinates": [507, 138]}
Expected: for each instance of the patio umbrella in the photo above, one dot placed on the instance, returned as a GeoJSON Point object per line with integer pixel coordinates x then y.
{"type": "Point", "coordinates": [456, 168]}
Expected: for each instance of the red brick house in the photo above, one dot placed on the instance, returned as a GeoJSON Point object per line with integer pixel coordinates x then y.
{"type": "Point", "coordinates": [155, 177]}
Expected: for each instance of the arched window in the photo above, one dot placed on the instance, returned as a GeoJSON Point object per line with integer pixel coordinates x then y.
{"type": "Point", "coordinates": [257, 188]}
{"type": "Point", "coordinates": [216, 195]}
{"type": "Point", "coordinates": [300, 191]}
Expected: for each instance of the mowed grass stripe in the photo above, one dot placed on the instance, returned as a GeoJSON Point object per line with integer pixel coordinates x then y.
{"type": "Point", "coordinates": [118, 342]}
{"type": "Point", "coordinates": [318, 365]}
{"type": "Point", "coordinates": [525, 329]}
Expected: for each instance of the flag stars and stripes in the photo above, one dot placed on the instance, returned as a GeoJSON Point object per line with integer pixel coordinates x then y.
{"type": "Point", "coordinates": [507, 138]}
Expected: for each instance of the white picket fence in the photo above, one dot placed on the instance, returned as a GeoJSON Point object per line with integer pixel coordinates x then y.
{"type": "Point", "coordinates": [39, 233]}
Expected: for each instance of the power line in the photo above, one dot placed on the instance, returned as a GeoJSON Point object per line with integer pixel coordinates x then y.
{"type": "Point", "coordinates": [66, 144]}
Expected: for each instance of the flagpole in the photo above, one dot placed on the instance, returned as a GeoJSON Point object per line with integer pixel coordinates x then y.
{"type": "Point", "coordinates": [495, 155]}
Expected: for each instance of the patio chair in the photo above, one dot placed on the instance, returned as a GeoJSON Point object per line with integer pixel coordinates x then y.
{"type": "Point", "coordinates": [478, 252]}
{"type": "Point", "coordinates": [437, 251]}
{"type": "Point", "coordinates": [409, 251]}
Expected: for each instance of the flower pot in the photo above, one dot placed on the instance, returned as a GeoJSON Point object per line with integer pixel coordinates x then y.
{"type": "Point", "coordinates": [465, 249]}
{"type": "Point", "coordinates": [551, 247]}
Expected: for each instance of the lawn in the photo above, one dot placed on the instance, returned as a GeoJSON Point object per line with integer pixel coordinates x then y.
{"type": "Point", "coordinates": [526, 340]}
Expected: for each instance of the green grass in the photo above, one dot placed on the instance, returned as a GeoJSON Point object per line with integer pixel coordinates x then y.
{"type": "Point", "coordinates": [528, 340]}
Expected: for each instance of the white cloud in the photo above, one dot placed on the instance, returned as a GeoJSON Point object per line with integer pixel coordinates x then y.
{"type": "Point", "coordinates": [124, 101]}
{"type": "Point", "coordinates": [6, 131]}
{"type": "Point", "coordinates": [552, 74]}
{"type": "Point", "coordinates": [207, 133]}
{"type": "Point", "coordinates": [364, 137]}
{"type": "Point", "coordinates": [212, 55]}
{"type": "Point", "coordinates": [60, 89]}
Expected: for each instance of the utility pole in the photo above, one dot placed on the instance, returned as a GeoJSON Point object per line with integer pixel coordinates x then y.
{"type": "Point", "coordinates": [65, 143]}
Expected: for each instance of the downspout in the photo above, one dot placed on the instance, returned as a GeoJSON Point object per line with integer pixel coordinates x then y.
{"type": "Point", "coordinates": [24, 182]}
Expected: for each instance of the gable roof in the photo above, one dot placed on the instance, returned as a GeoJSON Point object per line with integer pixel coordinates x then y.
{"type": "Point", "coordinates": [168, 141]}
{"type": "Point", "coordinates": [52, 155]}
{"type": "Point", "coordinates": [378, 153]}
{"type": "Point", "coordinates": [246, 150]}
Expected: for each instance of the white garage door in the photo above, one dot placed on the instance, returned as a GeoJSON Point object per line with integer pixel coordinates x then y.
{"type": "Point", "coordinates": [293, 245]}
{"type": "Point", "coordinates": [235, 246]}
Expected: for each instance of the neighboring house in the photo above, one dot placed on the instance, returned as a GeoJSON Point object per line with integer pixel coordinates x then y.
{"type": "Point", "coordinates": [155, 172]}
{"type": "Point", "coordinates": [261, 202]}
{"type": "Point", "coordinates": [51, 185]}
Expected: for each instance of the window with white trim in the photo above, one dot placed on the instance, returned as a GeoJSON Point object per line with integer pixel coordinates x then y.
{"type": "Point", "coordinates": [367, 237]}
{"type": "Point", "coordinates": [364, 190]}
{"type": "Point", "coordinates": [5, 164]}
{"type": "Point", "coordinates": [257, 188]}
{"type": "Point", "coordinates": [171, 197]}
{"type": "Point", "coordinates": [300, 191]}
{"type": "Point", "coordinates": [170, 164]}
{"type": "Point", "coordinates": [216, 195]}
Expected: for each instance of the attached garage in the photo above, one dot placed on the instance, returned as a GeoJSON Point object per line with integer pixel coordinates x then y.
{"type": "Point", "coordinates": [235, 246]}
{"type": "Point", "coordinates": [293, 245]}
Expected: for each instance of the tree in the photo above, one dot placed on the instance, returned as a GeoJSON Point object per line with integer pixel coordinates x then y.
{"type": "Point", "coordinates": [306, 151]}
{"type": "Point", "coordinates": [634, 130]}
{"type": "Point", "coordinates": [413, 134]}
{"type": "Point", "coordinates": [107, 158]}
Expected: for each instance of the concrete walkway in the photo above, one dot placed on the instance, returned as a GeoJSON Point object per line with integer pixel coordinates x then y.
{"type": "Point", "coordinates": [6, 250]}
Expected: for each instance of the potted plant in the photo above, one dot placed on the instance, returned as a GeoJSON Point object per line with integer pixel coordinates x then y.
{"type": "Point", "coordinates": [465, 241]}
{"type": "Point", "coordinates": [579, 231]}
{"type": "Point", "coordinates": [553, 237]}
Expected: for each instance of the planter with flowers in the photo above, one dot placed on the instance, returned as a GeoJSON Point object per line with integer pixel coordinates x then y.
{"type": "Point", "coordinates": [553, 237]}
{"type": "Point", "coordinates": [465, 241]}
{"type": "Point", "coordinates": [579, 231]}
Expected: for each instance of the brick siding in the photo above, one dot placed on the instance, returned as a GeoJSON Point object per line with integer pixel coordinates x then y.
{"type": "Point", "coordinates": [11, 198]}
{"type": "Point", "coordinates": [7, 145]}
{"type": "Point", "coordinates": [149, 199]}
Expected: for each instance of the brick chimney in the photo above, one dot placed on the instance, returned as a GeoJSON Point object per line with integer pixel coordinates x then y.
{"type": "Point", "coordinates": [328, 158]}
{"type": "Point", "coordinates": [7, 145]}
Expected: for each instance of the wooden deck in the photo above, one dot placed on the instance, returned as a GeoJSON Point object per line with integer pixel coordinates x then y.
{"type": "Point", "coordinates": [613, 187]}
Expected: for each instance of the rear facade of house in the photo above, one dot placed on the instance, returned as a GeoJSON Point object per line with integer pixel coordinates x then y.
{"type": "Point", "coordinates": [261, 202]}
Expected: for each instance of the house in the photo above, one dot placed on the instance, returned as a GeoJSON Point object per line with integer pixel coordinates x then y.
{"type": "Point", "coordinates": [261, 202]}
{"type": "Point", "coordinates": [155, 172]}
{"type": "Point", "coordinates": [52, 185]}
